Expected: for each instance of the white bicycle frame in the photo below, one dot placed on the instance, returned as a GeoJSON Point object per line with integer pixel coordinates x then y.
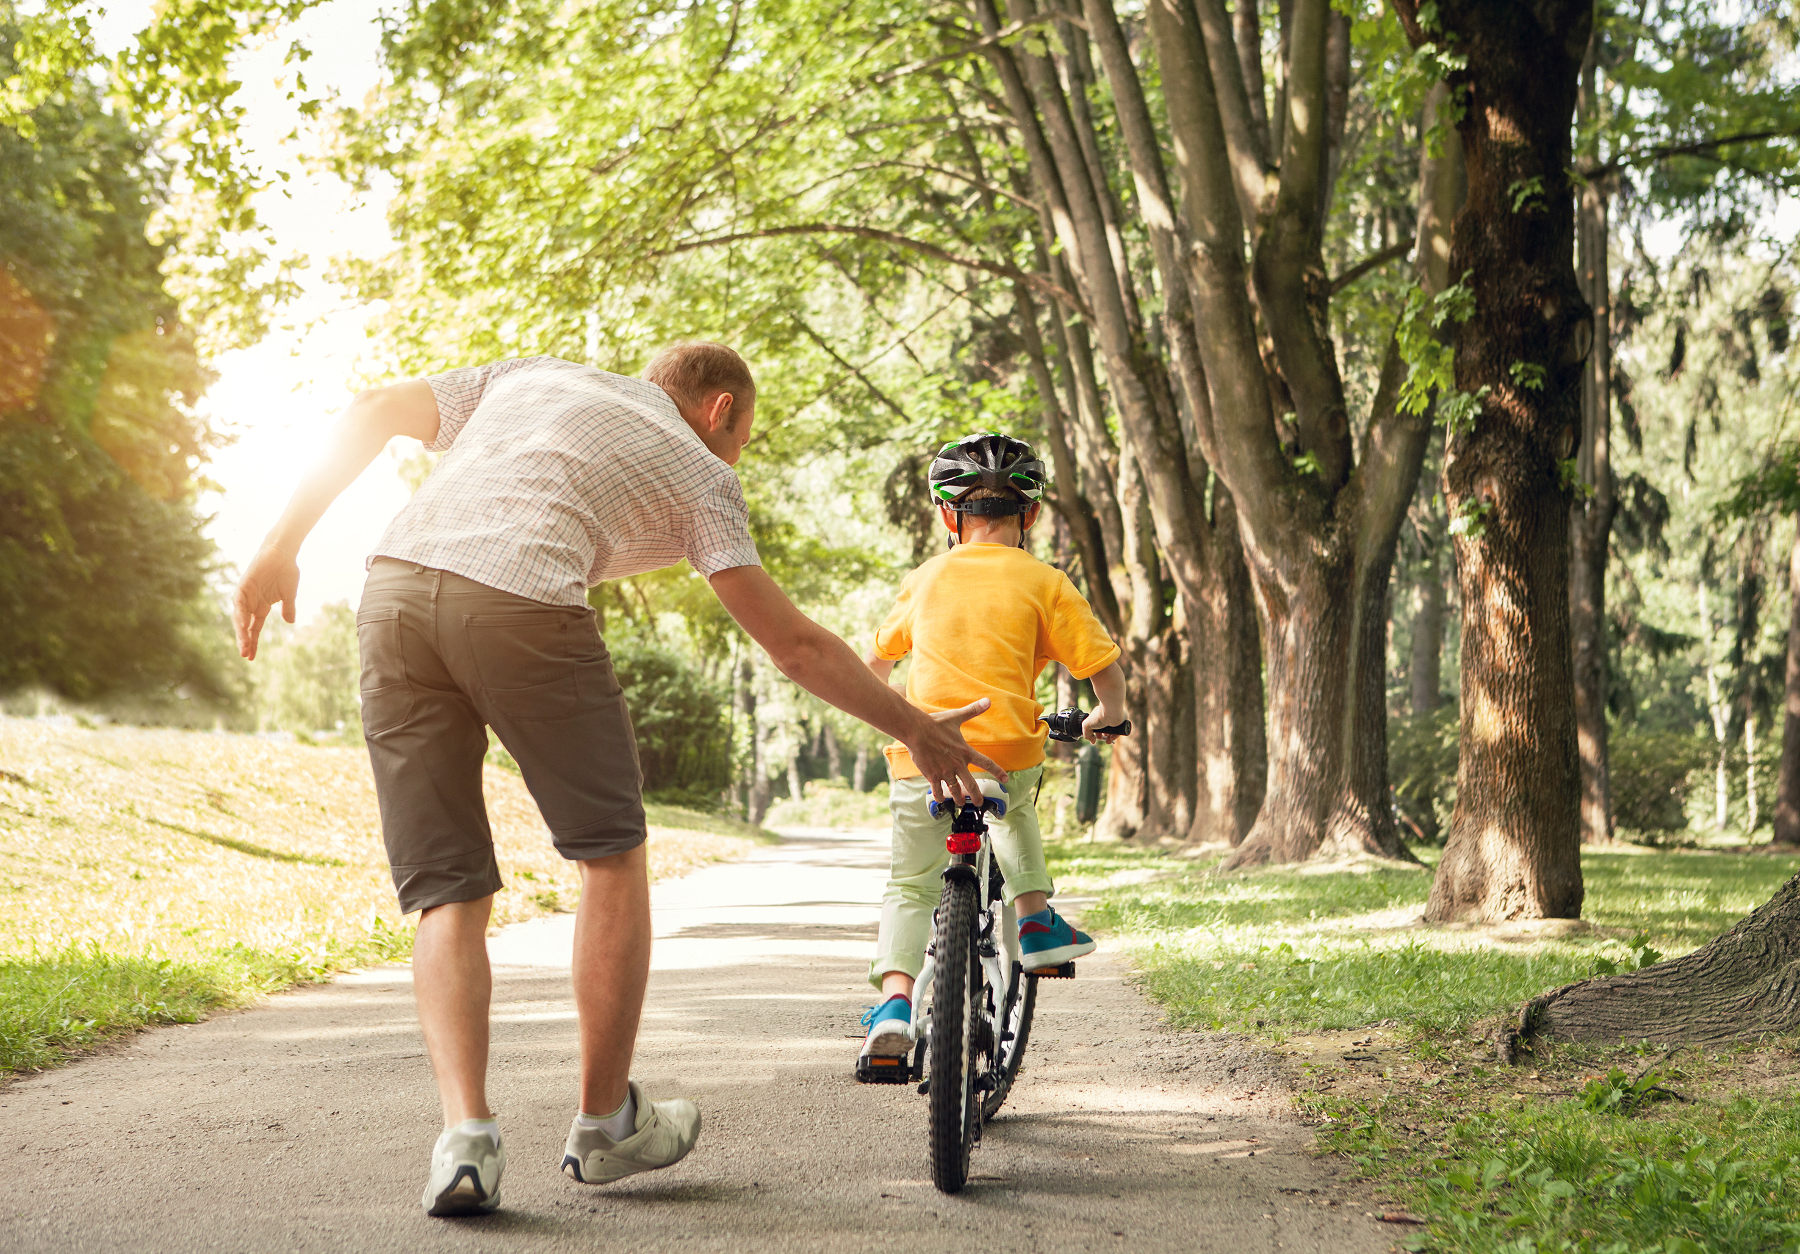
{"type": "Point", "coordinates": [1005, 932]}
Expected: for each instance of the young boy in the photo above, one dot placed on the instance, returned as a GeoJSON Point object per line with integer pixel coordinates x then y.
{"type": "Point", "coordinates": [981, 621]}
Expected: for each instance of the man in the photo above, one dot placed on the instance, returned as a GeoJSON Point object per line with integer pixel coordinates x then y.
{"type": "Point", "coordinates": [554, 477]}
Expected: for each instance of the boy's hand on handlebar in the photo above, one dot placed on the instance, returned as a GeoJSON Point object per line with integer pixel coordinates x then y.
{"type": "Point", "coordinates": [945, 759]}
{"type": "Point", "coordinates": [1097, 718]}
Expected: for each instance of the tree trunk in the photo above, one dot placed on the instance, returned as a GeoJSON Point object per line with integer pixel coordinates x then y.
{"type": "Point", "coordinates": [1719, 712]}
{"type": "Point", "coordinates": [1787, 777]}
{"type": "Point", "coordinates": [1591, 514]}
{"type": "Point", "coordinates": [1426, 671]}
{"type": "Point", "coordinates": [1514, 846]}
{"type": "Point", "coordinates": [1743, 986]}
{"type": "Point", "coordinates": [1231, 751]}
{"type": "Point", "coordinates": [834, 752]}
{"type": "Point", "coordinates": [859, 772]}
{"type": "Point", "coordinates": [1752, 814]}
{"type": "Point", "coordinates": [796, 789]}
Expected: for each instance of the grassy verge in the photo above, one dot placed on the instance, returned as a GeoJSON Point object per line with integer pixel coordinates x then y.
{"type": "Point", "coordinates": [152, 876]}
{"type": "Point", "coordinates": [1582, 1149]}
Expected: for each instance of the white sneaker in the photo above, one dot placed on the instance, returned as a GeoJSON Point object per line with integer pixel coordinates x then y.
{"type": "Point", "coordinates": [465, 1173]}
{"type": "Point", "coordinates": [665, 1132]}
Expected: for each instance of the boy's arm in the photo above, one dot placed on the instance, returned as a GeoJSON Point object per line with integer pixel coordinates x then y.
{"type": "Point", "coordinates": [880, 667]}
{"type": "Point", "coordinates": [1109, 688]}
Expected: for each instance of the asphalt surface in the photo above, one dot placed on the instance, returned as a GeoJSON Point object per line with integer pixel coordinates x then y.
{"type": "Point", "coordinates": [306, 1123]}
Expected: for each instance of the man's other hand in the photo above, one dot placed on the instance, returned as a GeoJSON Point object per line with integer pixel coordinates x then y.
{"type": "Point", "coordinates": [271, 576]}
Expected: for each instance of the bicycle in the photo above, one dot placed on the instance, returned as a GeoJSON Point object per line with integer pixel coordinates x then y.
{"type": "Point", "coordinates": [971, 1037]}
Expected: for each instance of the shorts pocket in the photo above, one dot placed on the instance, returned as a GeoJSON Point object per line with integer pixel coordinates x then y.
{"type": "Point", "coordinates": [538, 665]}
{"type": "Point", "coordinates": [387, 698]}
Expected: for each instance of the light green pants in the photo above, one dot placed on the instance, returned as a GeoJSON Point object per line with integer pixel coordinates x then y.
{"type": "Point", "coordinates": [916, 879]}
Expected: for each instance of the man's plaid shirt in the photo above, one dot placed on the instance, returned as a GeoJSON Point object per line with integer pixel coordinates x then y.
{"type": "Point", "coordinates": [559, 476]}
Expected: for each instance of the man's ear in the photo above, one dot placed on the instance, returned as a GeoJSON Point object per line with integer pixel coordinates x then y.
{"type": "Point", "coordinates": [718, 412]}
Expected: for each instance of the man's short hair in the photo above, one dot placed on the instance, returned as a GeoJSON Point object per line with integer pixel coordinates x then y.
{"type": "Point", "coordinates": [692, 370]}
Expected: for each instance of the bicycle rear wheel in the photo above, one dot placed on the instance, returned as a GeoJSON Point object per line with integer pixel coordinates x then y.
{"type": "Point", "coordinates": [1015, 1032]}
{"type": "Point", "coordinates": [953, 1037]}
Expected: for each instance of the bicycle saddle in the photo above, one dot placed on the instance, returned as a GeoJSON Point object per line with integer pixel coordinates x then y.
{"type": "Point", "coordinates": [993, 794]}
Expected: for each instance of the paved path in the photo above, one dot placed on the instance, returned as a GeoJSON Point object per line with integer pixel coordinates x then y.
{"type": "Point", "coordinates": [305, 1124]}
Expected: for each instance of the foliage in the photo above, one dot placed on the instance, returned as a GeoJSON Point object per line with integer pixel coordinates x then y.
{"type": "Point", "coordinates": [682, 723]}
{"type": "Point", "coordinates": [102, 564]}
{"type": "Point", "coordinates": [311, 675]}
{"type": "Point", "coordinates": [1422, 751]}
{"type": "Point", "coordinates": [1653, 774]}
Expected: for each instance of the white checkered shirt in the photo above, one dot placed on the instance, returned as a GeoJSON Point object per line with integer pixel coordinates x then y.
{"type": "Point", "coordinates": [559, 476]}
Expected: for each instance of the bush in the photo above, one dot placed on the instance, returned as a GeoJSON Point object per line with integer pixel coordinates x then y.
{"type": "Point", "coordinates": [682, 723]}
{"type": "Point", "coordinates": [1422, 772]}
{"type": "Point", "coordinates": [1653, 774]}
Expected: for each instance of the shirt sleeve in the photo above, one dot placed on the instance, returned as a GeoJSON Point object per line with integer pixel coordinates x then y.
{"type": "Point", "coordinates": [459, 393]}
{"type": "Point", "coordinates": [1077, 639]}
{"type": "Point", "coordinates": [719, 532]}
{"type": "Point", "coordinates": [893, 639]}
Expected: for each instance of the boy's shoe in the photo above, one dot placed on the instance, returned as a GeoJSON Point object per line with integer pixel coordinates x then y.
{"type": "Point", "coordinates": [665, 1132]}
{"type": "Point", "coordinates": [1047, 940]}
{"type": "Point", "coordinates": [465, 1173]}
{"type": "Point", "coordinates": [890, 1028]}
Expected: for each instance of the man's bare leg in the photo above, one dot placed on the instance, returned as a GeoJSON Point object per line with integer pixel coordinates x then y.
{"type": "Point", "coordinates": [611, 969]}
{"type": "Point", "coordinates": [453, 985]}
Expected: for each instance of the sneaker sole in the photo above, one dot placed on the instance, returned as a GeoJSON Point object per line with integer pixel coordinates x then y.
{"type": "Point", "coordinates": [572, 1168]}
{"type": "Point", "coordinates": [888, 1045]}
{"type": "Point", "coordinates": [1056, 957]}
{"type": "Point", "coordinates": [464, 1196]}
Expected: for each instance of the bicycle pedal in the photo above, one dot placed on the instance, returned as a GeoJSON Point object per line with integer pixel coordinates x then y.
{"type": "Point", "coordinates": [1065, 972]}
{"type": "Point", "coordinates": [882, 1069]}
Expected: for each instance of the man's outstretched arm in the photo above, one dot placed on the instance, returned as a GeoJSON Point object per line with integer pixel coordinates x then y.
{"type": "Point", "coordinates": [372, 419]}
{"type": "Point", "coordinates": [828, 668]}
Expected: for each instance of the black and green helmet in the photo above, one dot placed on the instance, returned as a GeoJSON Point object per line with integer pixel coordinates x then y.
{"type": "Point", "coordinates": [987, 459]}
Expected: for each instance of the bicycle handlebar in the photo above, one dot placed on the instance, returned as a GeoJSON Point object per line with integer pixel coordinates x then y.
{"type": "Point", "coordinates": [1066, 725]}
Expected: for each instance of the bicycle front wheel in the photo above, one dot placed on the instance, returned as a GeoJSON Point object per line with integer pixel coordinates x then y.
{"type": "Point", "coordinates": [952, 1042]}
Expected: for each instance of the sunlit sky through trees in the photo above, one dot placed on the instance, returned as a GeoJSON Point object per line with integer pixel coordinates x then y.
{"type": "Point", "coordinates": [277, 396]}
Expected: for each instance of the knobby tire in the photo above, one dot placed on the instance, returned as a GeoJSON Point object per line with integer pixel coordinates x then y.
{"type": "Point", "coordinates": [952, 1047]}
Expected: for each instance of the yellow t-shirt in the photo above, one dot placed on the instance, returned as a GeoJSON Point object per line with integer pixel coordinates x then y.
{"type": "Point", "coordinates": [981, 621]}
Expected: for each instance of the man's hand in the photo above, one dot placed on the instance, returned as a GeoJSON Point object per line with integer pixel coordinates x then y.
{"type": "Point", "coordinates": [944, 757]}
{"type": "Point", "coordinates": [271, 576]}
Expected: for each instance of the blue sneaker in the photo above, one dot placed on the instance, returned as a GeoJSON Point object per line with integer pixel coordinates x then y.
{"type": "Point", "coordinates": [890, 1028]}
{"type": "Point", "coordinates": [1047, 940]}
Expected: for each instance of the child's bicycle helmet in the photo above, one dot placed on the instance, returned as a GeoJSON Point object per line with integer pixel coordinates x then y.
{"type": "Point", "coordinates": [987, 459]}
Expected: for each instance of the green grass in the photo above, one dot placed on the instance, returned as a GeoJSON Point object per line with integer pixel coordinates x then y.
{"type": "Point", "coordinates": [1494, 1172]}
{"type": "Point", "coordinates": [1288, 950]}
{"type": "Point", "coordinates": [152, 876]}
{"type": "Point", "coordinates": [1552, 1156]}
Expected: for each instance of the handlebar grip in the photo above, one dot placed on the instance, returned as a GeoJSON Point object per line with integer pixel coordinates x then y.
{"type": "Point", "coordinates": [1117, 729]}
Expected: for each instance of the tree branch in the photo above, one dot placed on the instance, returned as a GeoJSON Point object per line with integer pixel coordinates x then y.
{"type": "Point", "coordinates": [894, 238]}
{"type": "Point", "coordinates": [963, 50]}
{"type": "Point", "coordinates": [1661, 152]}
{"type": "Point", "coordinates": [1373, 262]}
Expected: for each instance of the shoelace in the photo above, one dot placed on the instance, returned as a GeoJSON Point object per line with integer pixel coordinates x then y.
{"type": "Point", "coordinates": [868, 1018]}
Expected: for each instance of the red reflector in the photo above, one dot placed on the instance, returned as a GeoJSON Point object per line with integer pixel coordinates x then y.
{"type": "Point", "coordinates": [963, 842]}
{"type": "Point", "coordinates": [878, 1061]}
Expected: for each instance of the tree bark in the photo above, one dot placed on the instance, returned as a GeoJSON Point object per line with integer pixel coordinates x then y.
{"type": "Point", "coordinates": [1591, 514]}
{"type": "Point", "coordinates": [1514, 845]}
{"type": "Point", "coordinates": [1425, 673]}
{"type": "Point", "coordinates": [1787, 778]}
{"type": "Point", "coordinates": [859, 769]}
{"type": "Point", "coordinates": [1743, 986]}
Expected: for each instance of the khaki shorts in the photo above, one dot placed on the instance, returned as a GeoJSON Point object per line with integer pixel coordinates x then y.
{"type": "Point", "coordinates": [443, 659]}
